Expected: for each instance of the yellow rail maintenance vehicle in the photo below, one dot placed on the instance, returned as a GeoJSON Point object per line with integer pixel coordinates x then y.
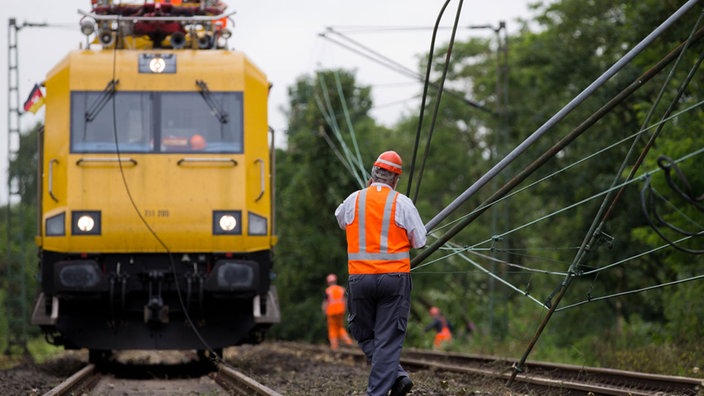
{"type": "Point", "coordinates": [156, 201]}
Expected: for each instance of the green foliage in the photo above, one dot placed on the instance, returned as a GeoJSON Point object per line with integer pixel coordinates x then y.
{"type": "Point", "coordinates": [18, 274]}
{"type": "Point", "coordinates": [24, 167]}
{"type": "Point", "coordinates": [672, 359]}
{"type": "Point", "coordinates": [575, 42]}
{"type": "Point", "coordinates": [4, 328]}
{"type": "Point", "coordinates": [531, 239]}
{"type": "Point", "coordinates": [18, 261]}
{"type": "Point", "coordinates": [685, 313]}
{"type": "Point", "coordinates": [539, 229]}
{"type": "Point", "coordinates": [640, 347]}
{"type": "Point", "coordinates": [311, 183]}
{"type": "Point", "coordinates": [40, 350]}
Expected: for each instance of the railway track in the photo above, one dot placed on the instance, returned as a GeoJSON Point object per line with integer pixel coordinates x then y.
{"type": "Point", "coordinates": [298, 369]}
{"type": "Point", "coordinates": [542, 376]}
{"type": "Point", "coordinates": [82, 379]}
{"type": "Point", "coordinates": [224, 381]}
{"type": "Point", "coordinates": [576, 379]}
{"type": "Point", "coordinates": [240, 384]}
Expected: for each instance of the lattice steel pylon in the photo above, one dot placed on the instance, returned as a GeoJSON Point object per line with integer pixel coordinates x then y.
{"type": "Point", "coordinates": [14, 283]}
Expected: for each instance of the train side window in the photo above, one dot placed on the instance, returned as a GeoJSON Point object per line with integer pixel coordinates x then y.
{"type": "Point", "coordinates": [190, 123]}
{"type": "Point", "coordinates": [124, 124]}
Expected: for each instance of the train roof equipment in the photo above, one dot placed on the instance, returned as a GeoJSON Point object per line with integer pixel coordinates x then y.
{"type": "Point", "coordinates": [175, 24]}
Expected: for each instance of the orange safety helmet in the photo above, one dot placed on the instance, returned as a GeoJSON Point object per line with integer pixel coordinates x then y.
{"type": "Point", "coordinates": [434, 311]}
{"type": "Point", "coordinates": [331, 278]}
{"type": "Point", "coordinates": [391, 161]}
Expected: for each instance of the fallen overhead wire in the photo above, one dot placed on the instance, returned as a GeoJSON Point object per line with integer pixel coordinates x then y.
{"type": "Point", "coordinates": [487, 204]}
{"type": "Point", "coordinates": [655, 219]}
{"type": "Point", "coordinates": [546, 156]}
{"type": "Point", "coordinates": [459, 252]}
{"type": "Point", "coordinates": [634, 291]}
{"type": "Point", "coordinates": [374, 56]}
{"type": "Point", "coordinates": [351, 162]}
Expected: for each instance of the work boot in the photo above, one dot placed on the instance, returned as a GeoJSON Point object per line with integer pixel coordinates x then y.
{"type": "Point", "coordinates": [401, 387]}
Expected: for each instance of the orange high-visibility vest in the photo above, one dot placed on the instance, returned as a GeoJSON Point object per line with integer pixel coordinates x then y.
{"type": "Point", "coordinates": [443, 335]}
{"type": "Point", "coordinates": [375, 244]}
{"type": "Point", "coordinates": [335, 304]}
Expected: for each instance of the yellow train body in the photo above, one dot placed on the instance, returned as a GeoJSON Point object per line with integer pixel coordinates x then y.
{"type": "Point", "coordinates": [174, 194]}
{"type": "Point", "coordinates": [156, 201]}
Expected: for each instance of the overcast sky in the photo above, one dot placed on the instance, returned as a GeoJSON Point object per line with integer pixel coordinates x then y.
{"type": "Point", "coordinates": [282, 37]}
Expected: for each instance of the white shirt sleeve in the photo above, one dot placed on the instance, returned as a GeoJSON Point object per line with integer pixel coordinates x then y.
{"type": "Point", "coordinates": [407, 217]}
{"type": "Point", "coordinates": [345, 212]}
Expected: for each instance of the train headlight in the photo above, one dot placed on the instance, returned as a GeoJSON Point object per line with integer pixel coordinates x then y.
{"type": "Point", "coordinates": [85, 222]}
{"type": "Point", "coordinates": [257, 225]}
{"type": "Point", "coordinates": [227, 222]}
{"type": "Point", "coordinates": [157, 63]}
{"type": "Point", "coordinates": [87, 27]}
{"type": "Point", "coordinates": [56, 225]}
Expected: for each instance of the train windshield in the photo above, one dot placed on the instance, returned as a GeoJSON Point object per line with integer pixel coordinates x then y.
{"type": "Point", "coordinates": [156, 122]}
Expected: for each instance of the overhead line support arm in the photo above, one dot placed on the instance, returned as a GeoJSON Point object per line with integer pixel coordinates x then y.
{"type": "Point", "coordinates": [558, 116]}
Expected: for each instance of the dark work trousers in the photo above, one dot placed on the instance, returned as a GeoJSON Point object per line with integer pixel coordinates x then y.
{"type": "Point", "coordinates": [378, 306]}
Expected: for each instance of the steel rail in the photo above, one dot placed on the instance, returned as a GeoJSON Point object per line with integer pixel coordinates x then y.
{"type": "Point", "coordinates": [537, 376]}
{"type": "Point", "coordinates": [226, 377]}
{"type": "Point", "coordinates": [241, 384]}
{"type": "Point", "coordinates": [599, 381]}
{"type": "Point", "coordinates": [74, 382]}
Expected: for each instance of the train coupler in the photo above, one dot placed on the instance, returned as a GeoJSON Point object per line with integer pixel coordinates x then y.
{"type": "Point", "coordinates": [155, 311]}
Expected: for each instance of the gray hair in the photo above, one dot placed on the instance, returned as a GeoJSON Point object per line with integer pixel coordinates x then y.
{"type": "Point", "coordinates": [383, 176]}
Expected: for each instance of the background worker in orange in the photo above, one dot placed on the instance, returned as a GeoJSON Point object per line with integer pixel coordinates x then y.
{"type": "Point", "coordinates": [382, 226]}
{"type": "Point", "coordinates": [442, 327]}
{"type": "Point", "coordinates": [334, 307]}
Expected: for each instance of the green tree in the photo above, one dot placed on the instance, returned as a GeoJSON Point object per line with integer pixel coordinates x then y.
{"type": "Point", "coordinates": [571, 44]}
{"type": "Point", "coordinates": [24, 166]}
{"type": "Point", "coordinates": [591, 36]}
{"type": "Point", "coordinates": [564, 48]}
{"type": "Point", "coordinates": [18, 229]}
{"type": "Point", "coordinates": [312, 181]}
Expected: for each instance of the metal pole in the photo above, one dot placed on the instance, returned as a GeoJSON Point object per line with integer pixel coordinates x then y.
{"type": "Point", "coordinates": [15, 300]}
{"type": "Point", "coordinates": [498, 212]}
{"type": "Point", "coordinates": [564, 142]}
{"type": "Point", "coordinates": [559, 116]}
{"type": "Point", "coordinates": [591, 238]}
{"type": "Point", "coordinates": [14, 281]}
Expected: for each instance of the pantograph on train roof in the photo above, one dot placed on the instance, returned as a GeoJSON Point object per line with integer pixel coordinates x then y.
{"type": "Point", "coordinates": [172, 24]}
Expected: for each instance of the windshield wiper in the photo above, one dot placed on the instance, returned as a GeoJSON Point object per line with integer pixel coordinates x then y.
{"type": "Point", "coordinates": [218, 113]}
{"type": "Point", "coordinates": [103, 99]}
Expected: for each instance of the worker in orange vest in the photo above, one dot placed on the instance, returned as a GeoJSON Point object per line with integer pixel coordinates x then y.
{"type": "Point", "coordinates": [382, 226]}
{"type": "Point", "coordinates": [334, 307]}
{"type": "Point", "coordinates": [442, 327]}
